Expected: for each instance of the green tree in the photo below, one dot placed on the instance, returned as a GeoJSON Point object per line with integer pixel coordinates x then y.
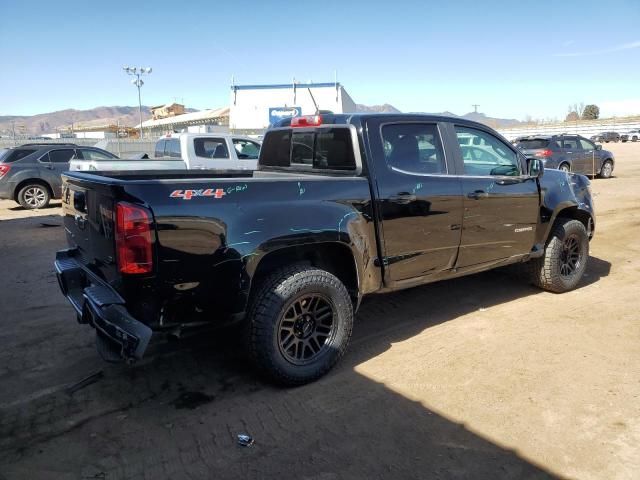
{"type": "Point", "coordinates": [591, 112]}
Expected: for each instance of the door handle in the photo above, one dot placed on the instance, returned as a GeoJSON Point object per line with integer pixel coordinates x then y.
{"type": "Point", "coordinates": [403, 198]}
{"type": "Point", "coordinates": [477, 195]}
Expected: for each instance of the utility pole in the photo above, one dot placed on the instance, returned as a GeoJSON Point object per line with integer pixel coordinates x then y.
{"type": "Point", "coordinates": [475, 107]}
{"type": "Point", "coordinates": [138, 82]}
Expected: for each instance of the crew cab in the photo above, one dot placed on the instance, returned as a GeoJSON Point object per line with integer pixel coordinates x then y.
{"type": "Point", "coordinates": [212, 151]}
{"type": "Point", "coordinates": [340, 207]}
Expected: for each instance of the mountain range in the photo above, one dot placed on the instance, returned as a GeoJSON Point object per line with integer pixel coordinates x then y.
{"type": "Point", "coordinates": [475, 116]}
{"type": "Point", "coordinates": [128, 116]}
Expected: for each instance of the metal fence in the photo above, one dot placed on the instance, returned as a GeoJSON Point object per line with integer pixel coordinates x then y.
{"type": "Point", "coordinates": [578, 128]}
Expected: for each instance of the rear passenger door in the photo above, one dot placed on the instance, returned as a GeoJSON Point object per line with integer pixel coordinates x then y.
{"type": "Point", "coordinates": [501, 202]}
{"type": "Point", "coordinates": [418, 199]}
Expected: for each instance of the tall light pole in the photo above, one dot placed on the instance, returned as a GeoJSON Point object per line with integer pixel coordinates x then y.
{"type": "Point", "coordinates": [138, 82]}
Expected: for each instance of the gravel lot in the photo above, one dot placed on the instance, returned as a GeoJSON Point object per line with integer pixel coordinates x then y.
{"type": "Point", "coordinates": [480, 377]}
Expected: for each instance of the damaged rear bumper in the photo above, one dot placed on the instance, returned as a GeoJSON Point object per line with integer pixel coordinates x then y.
{"type": "Point", "coordinates": [99, 305]}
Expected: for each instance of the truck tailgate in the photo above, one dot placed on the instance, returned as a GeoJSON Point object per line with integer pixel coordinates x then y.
{"type": "Point", "coordinates": [88, 216]}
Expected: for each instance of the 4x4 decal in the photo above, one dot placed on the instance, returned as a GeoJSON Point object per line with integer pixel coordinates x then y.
{"type": "Point", "coordinates": [189, 194]}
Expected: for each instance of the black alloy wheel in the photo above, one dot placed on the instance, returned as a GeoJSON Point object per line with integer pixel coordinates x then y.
{"type": "Point", "coordinates": [305, 328]}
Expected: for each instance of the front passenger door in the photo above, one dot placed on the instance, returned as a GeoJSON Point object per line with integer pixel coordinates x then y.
{"type": "Point", "coordinates": [501, 202]}
{"type": "Point", "coordinates": [590, 164]}
{"type": "Point", "coordinates": [573, 153]}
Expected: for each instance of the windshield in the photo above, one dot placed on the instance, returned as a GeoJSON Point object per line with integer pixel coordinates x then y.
{"type": "Point", "coordinates": [3, 153]}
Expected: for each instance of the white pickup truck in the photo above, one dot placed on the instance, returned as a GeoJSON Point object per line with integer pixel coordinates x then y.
{"type": "Point", "coordinates": [211, 151]}
{"type": "Point", "coordinates": [184, 151]}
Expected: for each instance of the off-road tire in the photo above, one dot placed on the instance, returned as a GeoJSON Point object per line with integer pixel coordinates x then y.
{"type": "Point", "coordinates": [546, 271]}
{"type": "Point", "coordinates": [606, 172]}
{"type": "Point", "coordinates": [33, 196]}
{"type": "Point", "coordinates": [274, 298]}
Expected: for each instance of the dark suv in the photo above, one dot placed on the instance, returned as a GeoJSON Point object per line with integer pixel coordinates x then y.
{"type": "Point", "coordinates": [606, 137]}
{"type": "Point", "coordinates": [30, 174]}
{"type": "Point", "coordinates": [571, 153]}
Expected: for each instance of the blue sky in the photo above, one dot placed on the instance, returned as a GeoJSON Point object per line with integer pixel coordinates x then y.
{"type": "Point", "coordinates": [511, 58]}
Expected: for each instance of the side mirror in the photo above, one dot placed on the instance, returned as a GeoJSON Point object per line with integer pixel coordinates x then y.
{"type": "Point", "coordinates": [535, 167]}
{"type": "Point", "coordinates": [598, 147]}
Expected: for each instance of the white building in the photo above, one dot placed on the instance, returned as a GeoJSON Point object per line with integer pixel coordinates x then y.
{"type": "Point", "coordinates": [255, 107]}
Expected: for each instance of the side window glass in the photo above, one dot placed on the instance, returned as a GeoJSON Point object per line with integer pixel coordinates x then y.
{"type": "Point", "coordinates": [586, 145]}
{"type": "Point", "coordinates": [485, 154]}
{"type": "Point", "coordinates": [61, 156]}
{"type": "Point", "coordinates": [45, 158]}
{"type": "Point", "coordinates": [210, 148]}
{"type": "Point", "coordinates": [93, 155]}
{"type": "Point", "coordinates": [246, 149]}
{"type": "Point", "coordinates": [413, 148]}
{"type": "Point", "coordinates": [570, 144]}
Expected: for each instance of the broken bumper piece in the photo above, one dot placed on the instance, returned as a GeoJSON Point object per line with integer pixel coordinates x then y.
{"type": "Point", "coordinates": [120, 336]}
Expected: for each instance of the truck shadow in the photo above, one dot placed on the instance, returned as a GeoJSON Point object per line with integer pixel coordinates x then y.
{"type": "Point", "coordinates": [177, 414]}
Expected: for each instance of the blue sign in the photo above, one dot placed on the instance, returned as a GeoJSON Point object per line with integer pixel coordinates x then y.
{"type": "Point", "coordinates": [278, 113]}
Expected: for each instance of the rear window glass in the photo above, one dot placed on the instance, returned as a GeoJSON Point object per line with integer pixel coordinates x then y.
{"type": "Point", "coordinates": [302, 148]}
{"type": "Point", "coordinates": [276, 149]}
{"type": "Point", "coordinates": [17, 155]}
{"type": "Point", "coordinates": [324, 149]}
{"type": "Point", "coordinates": [533, 144]}
{"type": "Point", "coordinates": [172, 148]}
{"type": "Point", "coordinates": [334, 150]}
{"type": "Point", "coordinates": [160, 148]}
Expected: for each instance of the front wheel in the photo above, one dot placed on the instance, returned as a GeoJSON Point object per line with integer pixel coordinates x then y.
{"type": "Point", "coordinates": [34, 196]}
{"type": "Point", "coordinates": [565, 257]}
{"type": "Point", "coordinates": [606, 170]}
{"type": "Point", "coordinates": [299, 324]}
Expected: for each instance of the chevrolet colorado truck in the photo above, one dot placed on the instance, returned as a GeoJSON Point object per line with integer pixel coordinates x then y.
{"type": "Point", "coordinates": [341, 206]}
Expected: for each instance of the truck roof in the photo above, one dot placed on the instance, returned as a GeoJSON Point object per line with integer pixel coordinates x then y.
{"type": "Point", "coordinates": [339, 118]}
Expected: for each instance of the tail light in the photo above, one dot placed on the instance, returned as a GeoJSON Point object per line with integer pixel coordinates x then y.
{"type": "Point", "coordinates": [544, 153]}
{"type": "Point", "coordinates": [4, 169]}
{"type": "Point", "coordinates": [133, 239]}
{"type": "Point", "coordinates": [307, 121]}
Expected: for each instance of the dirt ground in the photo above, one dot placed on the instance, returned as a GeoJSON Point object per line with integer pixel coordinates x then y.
{"type": "Point", "coordinates": [480, 377]}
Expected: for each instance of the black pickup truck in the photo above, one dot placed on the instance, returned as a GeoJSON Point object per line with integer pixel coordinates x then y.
{"type": "Point", "coordinates": [340, 207]}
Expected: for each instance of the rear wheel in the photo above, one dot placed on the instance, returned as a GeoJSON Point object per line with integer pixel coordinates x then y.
{"type": "Point", "coordinates": [607, 169]}
{"type": "Point", "coordinates": [565, 257]}
{"type": "Point", "coordinates": [564, 167]}
{"type": "Point", "coordinates": [34, 195]}
{"type": "Point", "coordinates": [299, 325]}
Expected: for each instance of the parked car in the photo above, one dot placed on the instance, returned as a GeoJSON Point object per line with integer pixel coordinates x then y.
{"type": "Point", "coordinates": [606, 137]}
{"type": "Point", "coordinates": [213, 151]}
{"type": "Point", "coordinates": [290, 250]}
{"type": "Point", "coordinates": [630, 136]}
{"type": "Point", "coordinates": [571, 153]}
{"type": "Point", "coordinates": [30, 173]}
